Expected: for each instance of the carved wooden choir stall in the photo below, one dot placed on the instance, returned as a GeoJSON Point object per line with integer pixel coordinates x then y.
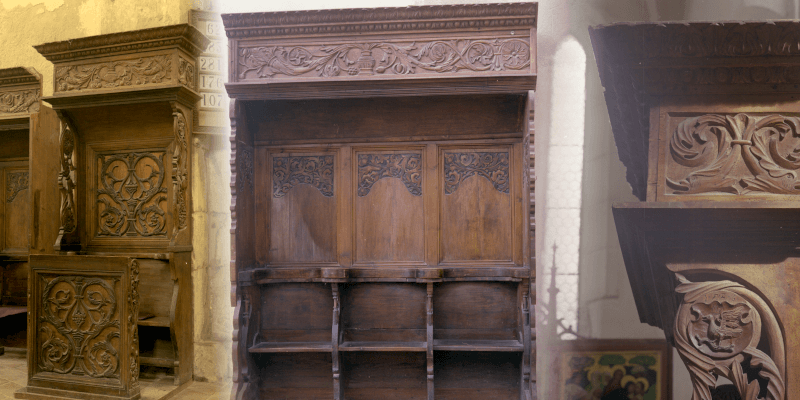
{"type": "Point", "coordinates": [20, 102]}
{"type": "Point", "coordinates": [115, 216]}
{"type": "Point", "coordinates": [706, 118]}
{"type": "Point", "coordinates": [380, 192]}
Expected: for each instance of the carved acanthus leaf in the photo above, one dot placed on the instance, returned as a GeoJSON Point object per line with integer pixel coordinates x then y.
{"type": "Point", "coordinates": [180, 172]}
{"type": "Point", "coordinates": [288, 172]}
{"type": "Point", "coordinates": [186, 73]}
{"type": "Point", "coordinates": [736, 154]}
{"type": "Point", "coordinates": [20, 101]}
{"type": "Point", "coordinates": [374, 167]}
{"type": "Point", "coordinates": [385, 58]}
{"type": "Point", "coordinates": [111, 74]}
{"type": "Point", "coordinates": [15, 183]}
{"type": "Point", "coordinates": [490, 165]}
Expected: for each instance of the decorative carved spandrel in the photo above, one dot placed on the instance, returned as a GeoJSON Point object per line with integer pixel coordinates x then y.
{"type": "Point", "coordinates": [371, 58]}
{"type": "Point", "coordinates": [15, 182]}
{"type": "Point", "coordinates": [79, 328]}
{"type": "Point", "coordinates": [490, 165]}
{"type": "Point", "coordinates": [374, 167]}
{"type": "Point", "coordinates": [20, 101]}
{"type": "Point", "coordinates": [131, 196]}
{"type": "Point", "coordinates": [288, 172]}
{"type": "Point", "coordinates": [737, 154]}
{"type": "Point", "coordinates": [135, 72]}
{"type": "Point", "coordinates": [180, 172]}
{"type": "Point", "coordinates": [717, 330]}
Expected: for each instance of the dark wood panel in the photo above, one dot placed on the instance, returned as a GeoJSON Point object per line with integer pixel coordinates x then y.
{"type": "Point", "coordinates": [383, 312]}
{"type": "Point", "coordinates": [297, 371]}
{"type": "Point", "coordinates": [296, 312]}
{"type": "Point", "coordinates": [156, 300]}
{"type": "Point", "coordinates": [143, 121]}
{"type": "Point", "coordinates": [15, 144]}
{"type": "Point", "coordinates": [384, 375]}
{"type": "Point", "coordinates": [475, 310]}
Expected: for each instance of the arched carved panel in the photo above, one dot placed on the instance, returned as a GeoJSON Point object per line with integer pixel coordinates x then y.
{"type": "Point", "coordinates": [374, 167]}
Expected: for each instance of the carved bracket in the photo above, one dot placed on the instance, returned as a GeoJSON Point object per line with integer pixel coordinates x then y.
{"type": "Point", "coordinates": [717, 330]}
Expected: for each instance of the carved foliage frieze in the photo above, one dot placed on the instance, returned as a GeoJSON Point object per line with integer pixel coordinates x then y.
{"type": "Point", "coordinates": [371, 58]}
{"type": "Point", "coordinates": [180, 171]}
{"type": "Point", "coordinates": [131, 194]}
{"type": "Point", "coordinates": [111, 74]}
{"type": "Point", "coordinates": [288, 172]}
{"type": "Point", "coordinates": [186, 73]}
{"type": "Point", "coordinates": [374, 167]}
{"type": "Point", "coordinates": [79, 327]}
{"type": "Point", "coordinates": [490, 165]}
{"type": "Point", "coordinates": [67, 178]}
{"type": "Point", "coordinates": [737, 154]}
{"type": "Point", "coordinates": [20, 101]}
{"type": "Point", "coordinates": [16, 182]}
{"type": "Point", "coordinates": [717, 330]}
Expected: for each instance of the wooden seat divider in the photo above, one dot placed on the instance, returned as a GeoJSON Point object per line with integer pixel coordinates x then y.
{"type": "Point", "coordinates": [380, 202]}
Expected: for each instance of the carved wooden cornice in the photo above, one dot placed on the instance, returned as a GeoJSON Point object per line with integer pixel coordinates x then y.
{"type": "Point", "coordinates": [369, 20]}
{"type": "Point", "coordinates": [638, 62]}
{"type": "Point", "coordinates": [20, 92]}
{"type": "Point", "coordinates": [183, 36]}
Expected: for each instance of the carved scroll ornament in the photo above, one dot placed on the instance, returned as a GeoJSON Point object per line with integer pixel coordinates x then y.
{"type": "Point", "coordinates": [180, 172]}
{"type": "Point", "coordinates": [371, 58]}
{"type": "Point", "coordinates": [79, 327]}
{"type": "Point", "coordinates": [15, 183]}
{"type": "Point", "coordinates": [131, 194]}
{"type": "Point", "coordinates": [374, 167]}
{"type": "Point", "coordinates": [288, 172]}
{"type": "Point", "coordinates": [737, 154]}
{"type": "Point", "coordinates": [141, 71]}
{"type": "Point", "coordinates": [717, 330]}
{"type": "Point", "coordinates": [460, 166]}
{"type": "Point", "coordinates": [20, 101]}
{"type": "Point", "coordinates": [185, 73]}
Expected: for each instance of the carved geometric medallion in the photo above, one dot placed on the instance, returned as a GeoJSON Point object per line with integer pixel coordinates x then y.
{"type": "Point", "coordinates": [288, 172]}
{"type": "Point", "coordinates": [131, 195]}
{"type": "Point", "coordinates": [374, 167]}
{"type": "Point", "coordinates": [490, 165]}
{"type": "Point", "coordinates": [737, 154]}
{"type": "Point", "coordinates": [15, 183]}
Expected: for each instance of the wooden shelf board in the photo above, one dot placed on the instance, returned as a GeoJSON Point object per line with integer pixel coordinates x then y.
{"type": "Point", "coordinates": [158, 362]}
{"type": "Point", "coordinates": [155, 321]}
{"type": "Point", "coordinates": [383, 346]}
{"type": "Point", "coordinates": [478, 345]}
{"type": "Point", "coordinates": [291, 347]}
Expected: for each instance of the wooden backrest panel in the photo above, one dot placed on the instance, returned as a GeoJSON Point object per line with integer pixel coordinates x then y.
{"type": "Point", "coordinates": [384, 311]}
{"type": "Point", "coordinates": [475, 310]}
{"type": "Point", "coordinates": [394, 376]}
{"type": "Point", "coordinates": [17, 209]}
{"type": "Point", "coordinates": [462, 375]}
{"type": "Point", "coordinates": [304, 313]}
{"type": "Point", "coordinates": [295, 376]}
{"type": "Point", "coordinates": [15, 143]}
{"type": "Point", "coordinates": [14, 283]}
{"type": "Point", "coordinates": [156, 286]}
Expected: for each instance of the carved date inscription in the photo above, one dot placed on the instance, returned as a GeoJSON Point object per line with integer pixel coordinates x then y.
{"type": "Point", "coordinates": [141, 71]}
{"type": "Point", "coordinates": [79, 327]}
{"type": "Point", "coordinates": [737, 154]}
{"type": "Point", "coordinates": [15, 183]}
{"type": "Point", "coordinates": [288, 172]}
{"type": "Point", "coordinates": [460, 166]}
{"type": "Point", "coordinates": [374, 167]}
{"type": "Point", "coordinates": [131, 196]}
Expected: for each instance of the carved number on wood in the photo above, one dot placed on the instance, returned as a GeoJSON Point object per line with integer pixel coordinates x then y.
{"type": "Point", "coordinates": [79, 327]}
{"type": "Point", "coordinates": [141, 71]}
{"type": "Point", "coordinates": [460, 166]}
{"type": "Point", "coordinates": [15, 183]}
{"type": "Point", "coordinates": [67, 179]}
{"type": "Point", "coordinates": [374, 167]}
{"type": "Point", "coordinates": [378, 57]}
{"type": "Point", "coordinates": [130, 195]}
{"type": "Point", "coordinates": [736, 154]}
{"type": "Point", "coordinates": [180, 173]}
{"type": "Point", "coordinates": [20, 101]}
{"type": "Point", "coordinates": [288, 172]}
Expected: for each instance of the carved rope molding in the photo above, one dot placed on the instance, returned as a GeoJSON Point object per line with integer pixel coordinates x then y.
{"type": "Point", "coordinates": [385, 58]}
{"type": "Point", "coordinates": [288, 172]}
{"type": "Point", "coordinates": [15, 183]}
{"type": "Point", "coordinates": [374, 167]}
{"type": "Point", "coordinates": [180, 172]}
{"type": "Point", "coordinates": [79, 326]}
{"type": "Point", "coordinates": [20, 101]}
{"type": "Point", "coordinates": [111, 74]}
{"type": "Point", "coordinates": [67, 179]}
{"type": "Point", "coordinates": [736, 154]}
{"type": "Point", "coordinates": [131, 194]}
{"type": "Point", "coordinates": [490, 165]}
{"type": "Point", "coordinates": [717, 329]}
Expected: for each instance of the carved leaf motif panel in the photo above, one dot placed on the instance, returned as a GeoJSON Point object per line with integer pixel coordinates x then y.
{"type": "Point", "coordinates": [111, 74]}
{"type": "Point", "coordinates": [15, 182]}
{"type": "Point", "coordinates": [288, 172]}
{"type": "Point", "coordinates": [20, 101]}
{"type": "Point", "coordinates": [736, 154]}
{"type": "Point", "coordinates": [180, 172]}
{"type": "Point", "coordinates": [385, 58]}
{"type": "Point", "coordinates": [490, 165]}
{"type": "Point", "coordinates": [186, 73]}
{"type": "Point", "coordinates": [79, 326]}
{"type": "Point", "coordinates": [374, 167]}
{"type": "Point", "coordinates": [131, 194]}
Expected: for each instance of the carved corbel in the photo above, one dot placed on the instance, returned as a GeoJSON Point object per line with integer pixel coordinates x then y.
{"type": "Point", "coordinates": [68, 186]}
{"type": "Point", "coordinates": [180, 173]}
{"type": "Point", "coordinates": [717, 330]}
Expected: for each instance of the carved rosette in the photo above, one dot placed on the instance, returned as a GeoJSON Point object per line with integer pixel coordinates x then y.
{"type": "Point", "coordinates": [20, 101]}
{"type": "Point", "coordinates": [136, 72]}
{"type": "Point", "coordinates": [15, 183]}
{"type": "Point", "coordinates": [288, 172]}
{"type": "Point", "coordinates": [79, 327]}
{"type": "Point", "coordinates": [67, 179]}
{"type": "Point", "coordinates": [372, 58]}
{"type": "Point", "coordinates": [131, 194]}
{"type": "Point", "coordinates": [186, 73]}
{"type": "Point", "coordinates": [737, 154]}
{"type": "Point", "coordinates": [180, 172]}
{"type": "Point", "coordinates": [133, 319]}
{"type": "Point", "coordinates": [490, 165]}
{"type": "Point", "coordinates": [717, 330]}
{"type": "Point", "coordinates": [374, 167]}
